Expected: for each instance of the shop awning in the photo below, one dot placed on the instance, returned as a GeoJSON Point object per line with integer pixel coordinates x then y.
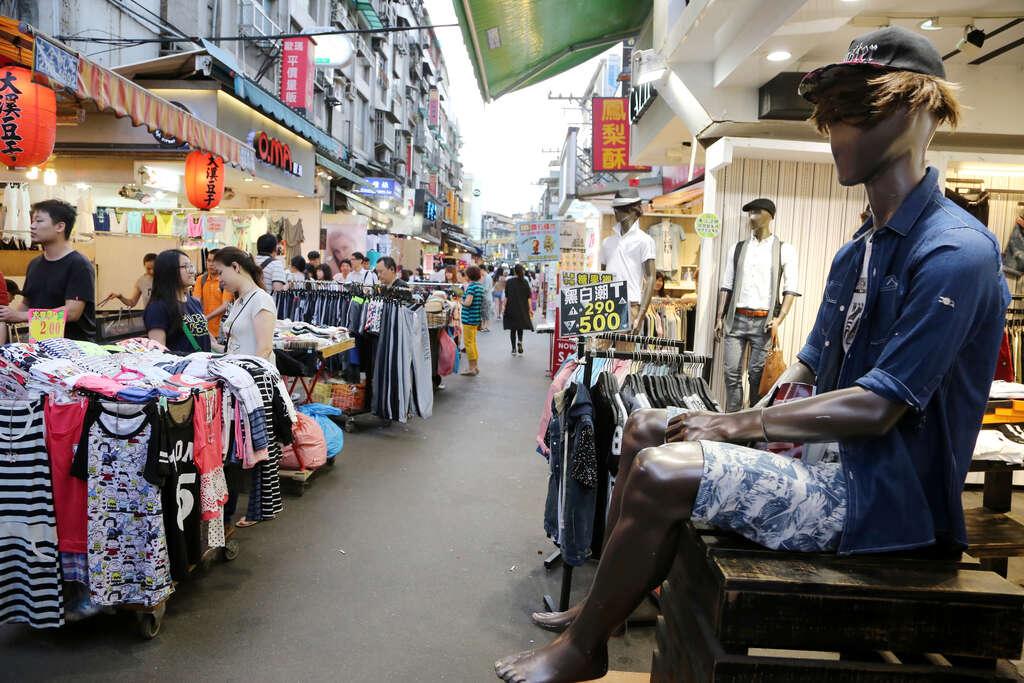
{"type": "Point", "coordinates": [339, 170]}
{"type": "Point", "coordinates": [516, 44]}
{"type": "Point", "coordinates": [365, 7]}
{"type": "Point", "coordinates": [280, 112]}
{"type": "Point", "coordinates": [679, 198]}
{"type": "Point", "coordinates": [116, 94]}
{"type": "Point", "coordinates": [455, 236]}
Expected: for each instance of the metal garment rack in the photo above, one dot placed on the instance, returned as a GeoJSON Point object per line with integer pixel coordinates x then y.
{"type": "Point", "coordinates": [585, 355]}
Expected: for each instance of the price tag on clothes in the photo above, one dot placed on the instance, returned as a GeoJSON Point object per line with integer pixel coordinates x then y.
{"type": "Point", "coordinates": [593, 309]}
{"type": "Point", "coordinates": [708, 225]}
{"type": "Point", "coordinates": [45, 323]}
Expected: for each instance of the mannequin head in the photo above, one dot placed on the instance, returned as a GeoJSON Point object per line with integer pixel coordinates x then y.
{"type": "Point", "coordinates": [874, 121]}
{"type": "Point", "coordinates": [759, 220]}
{"type": "Point", "coordinates": [629, 214]}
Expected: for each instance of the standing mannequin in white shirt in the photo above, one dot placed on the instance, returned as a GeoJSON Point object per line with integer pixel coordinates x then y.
{"type": "Point", "coordinates": [633, 259]}
{"type": "Point", "coordinates": [609, 246]}
{"type": "Point", "coordinates": [758, 272]}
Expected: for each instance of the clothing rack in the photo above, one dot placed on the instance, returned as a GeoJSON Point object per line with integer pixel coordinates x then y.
{"type": "Point", "coordinates": [584, 355]}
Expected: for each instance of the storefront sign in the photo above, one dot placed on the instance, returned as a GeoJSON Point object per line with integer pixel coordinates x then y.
{"type": "Point", "coordinates": [434, 108]}
{"type": "Point", "coordinates": [45, 323]}
{"type": "Point", "coordinates": [385, 188]}
{"type": "Point", "coordinates": [297, 73]}
{"type": "Point", "coordinates": [538, 242]}
{"type": "Point", "coordinates": [611, 135]}
{"type": "Point", "coordinates": [56, 63]}
{"type": "Point", "coordinates": [276, 153]}
{"type": "Point", "coordinates": [593, 309]}
{"type": "Point", "coordinates": [708, 225]}
{"type": "Point", "coordinates": [641, 97]}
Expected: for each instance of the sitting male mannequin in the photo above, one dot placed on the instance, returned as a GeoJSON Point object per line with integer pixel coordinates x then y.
{"type": "Point", "coordinates": [903, 405]}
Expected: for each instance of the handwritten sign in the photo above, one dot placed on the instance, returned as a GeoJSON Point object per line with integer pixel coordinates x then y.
{"type": "Point", "coordinates": [45, 323]}
{"type": "Point", "coordinates": [708, 225]}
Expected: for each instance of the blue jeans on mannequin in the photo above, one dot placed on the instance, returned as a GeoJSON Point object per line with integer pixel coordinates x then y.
{"type": "Point", "coordinates": [747, 332]}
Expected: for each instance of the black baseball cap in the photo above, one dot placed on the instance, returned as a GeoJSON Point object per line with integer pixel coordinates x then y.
{"type": "Point", "coordinates": [888, 49]}
{"type": "Point", "coordinates": [762, 204]}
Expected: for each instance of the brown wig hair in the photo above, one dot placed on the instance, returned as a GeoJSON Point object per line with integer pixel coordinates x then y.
{"type": "Point", "coordinates": [864, 100]}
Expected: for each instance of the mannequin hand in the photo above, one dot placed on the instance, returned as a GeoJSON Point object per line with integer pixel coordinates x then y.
{"type": "Point", "coordinates": [719, 330]}
{"type": "Point", "coordinates": [698, 426]}
{"type": "Point", "coordinates": [773, 325]}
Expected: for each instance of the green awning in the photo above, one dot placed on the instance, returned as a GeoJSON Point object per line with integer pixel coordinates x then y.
{"type": "Point", "coordinates": [370, 14]}
{"type": "Point", "coordinates": [516, 44]}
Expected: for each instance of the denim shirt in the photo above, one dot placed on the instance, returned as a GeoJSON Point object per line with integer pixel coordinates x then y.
{"type": "Point", "coordinates": [929, 338]}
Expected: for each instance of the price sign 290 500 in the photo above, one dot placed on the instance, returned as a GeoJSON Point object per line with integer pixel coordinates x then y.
{"type": "Point", "coordinates": [595, 308]}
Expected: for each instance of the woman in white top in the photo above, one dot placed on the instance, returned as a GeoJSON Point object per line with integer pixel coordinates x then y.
{"type": "Point", "coordinates": [249, 328]}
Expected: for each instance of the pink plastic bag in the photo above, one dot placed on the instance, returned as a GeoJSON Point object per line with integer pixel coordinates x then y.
{"type": "Point", "coordinates": [308, 450]}
{"type": "Point", "coordinates": [446, 354]}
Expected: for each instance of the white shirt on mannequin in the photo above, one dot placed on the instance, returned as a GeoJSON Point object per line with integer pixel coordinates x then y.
{"type": "Point", "coordinates": [635, 248]}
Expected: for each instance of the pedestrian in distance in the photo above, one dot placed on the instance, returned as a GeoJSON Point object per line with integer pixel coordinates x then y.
{"type": "Point", "coordinates": [517, 316]}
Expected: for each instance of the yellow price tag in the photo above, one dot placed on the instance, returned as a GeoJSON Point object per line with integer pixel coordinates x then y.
{"type": "Point", "coordinates": [45, 323]}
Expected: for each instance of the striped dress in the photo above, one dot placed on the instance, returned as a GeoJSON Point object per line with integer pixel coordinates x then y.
{"type": "Point", "coordinates": [30, 587]}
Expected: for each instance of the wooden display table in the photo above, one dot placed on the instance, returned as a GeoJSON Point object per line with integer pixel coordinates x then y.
{"type": "Point", "coordinates": [733, 611]}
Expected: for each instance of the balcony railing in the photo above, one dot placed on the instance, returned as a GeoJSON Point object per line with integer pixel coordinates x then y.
{"type": "Point", "coordinates": [255, 22]}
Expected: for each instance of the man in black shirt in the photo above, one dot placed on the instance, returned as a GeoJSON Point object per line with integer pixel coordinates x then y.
{"type": "Point", "coordinates": [60, 276]}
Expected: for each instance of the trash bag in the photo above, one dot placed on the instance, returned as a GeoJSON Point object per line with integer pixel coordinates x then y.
{"type": "Point", "coordinates": [308, 449]}
{"type": "Point", "coordinates": [333, 434]}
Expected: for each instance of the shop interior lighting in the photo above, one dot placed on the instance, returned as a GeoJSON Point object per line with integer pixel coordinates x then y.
{"type": "Point", "coordinates": [384, 205]}
{"type": "Point", "coordinates": [247, 180]}
{"type": "Point", "coordinates": [82, 186]}
{"type": "Point", "coordinates": [972, 41]}
{"type": "Point", "coordinates": [49, 177]}
{"type": "Point", "coordinates": [32, 173]}
{"type": "Point", "coordinates": [931, 24]}
{"type": "Point", "coordinates": [265, 187]}
{"type": "Point", "coordinates": [161, 178]}
{"type": "Point", "coordinates": [778, 56]}
{"type": "Point", "coordinates": [159, 194]}
{"type": "Point", "coordinates": [300, 196]}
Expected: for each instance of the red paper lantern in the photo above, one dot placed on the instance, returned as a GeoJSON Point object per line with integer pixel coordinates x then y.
{"type": "Point", "coordinates": [28, 119]}
{"type": "Point", "coordinates": [204, 179]}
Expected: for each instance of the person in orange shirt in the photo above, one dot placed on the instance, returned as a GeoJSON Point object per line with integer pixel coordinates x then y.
{"type": "Point", "coordinates": [215, 300]}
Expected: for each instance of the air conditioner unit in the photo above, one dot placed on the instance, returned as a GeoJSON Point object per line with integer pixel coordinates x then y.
{"type": "Point", "coordinates": [346, 90]}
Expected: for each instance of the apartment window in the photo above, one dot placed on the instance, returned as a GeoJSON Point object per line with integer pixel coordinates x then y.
{"type": "Point", "coordinates": [359, 123]}
{"type": "Point", "coordinates": [314, 9]}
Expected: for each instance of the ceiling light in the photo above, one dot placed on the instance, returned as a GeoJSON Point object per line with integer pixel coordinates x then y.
{"type": "Point", "coordinates": [32, 173]}
{"type": "Point", "coordinates": [265, 187]}
{"type": "Point", "coordinates": [778, 56]}
{"type": "Point", "coordinates": [82, 186]}
{"type": "Point", "coordinates": [159, 194]}
{"type": "Point", "coordinates": [300, 196]}
{"type": "Point", "coordinates": [247, 180]}
{"type": "Point", "coordinates": [49, 177]}
{"type": "Point", "coordinates": [931, 24]}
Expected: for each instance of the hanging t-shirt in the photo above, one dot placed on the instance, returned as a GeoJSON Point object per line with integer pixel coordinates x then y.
{"type": "Point", "coordinates": [293, 237]}
{"type": "Point", "coordinates": [855, 311]}
{"type": "Point", "coordinates": [181, 225]}
{"type": "Point", "coordinates": [101, 220]}
{"type": "Point", "coordinates": [196, 223]}
{"type": "Point", "coordinates": [193, 322]}
{"type": "Point", "coordinates": [180, 488]}
{"type": "Point", "coordinates": [63, 432]}
{"type": "Point", "coordinates": [149, 224]}
{"type": "Point", "coordinates": [134, 223]}
{"type": "Point", "coordinates": [165, 223]}
{"type": "Point", "coordinates": [258, 226]}
{"type": "Point", "coordinates": [118, 220]}
{"type": "Point", "coordinates": [667, 238]}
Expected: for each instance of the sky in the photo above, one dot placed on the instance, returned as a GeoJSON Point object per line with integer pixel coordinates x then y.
{"type": "Point", "coordinates": [503, 141]}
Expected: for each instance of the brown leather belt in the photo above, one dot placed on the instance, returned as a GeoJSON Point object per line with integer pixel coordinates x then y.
{"type": "Point", "coordinates": [752, 312]}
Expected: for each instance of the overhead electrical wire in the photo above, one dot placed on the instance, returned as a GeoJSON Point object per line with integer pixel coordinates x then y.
{"type": "Point", "coordinates": [221, 39]}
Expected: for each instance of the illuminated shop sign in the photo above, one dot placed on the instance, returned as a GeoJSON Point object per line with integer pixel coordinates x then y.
{"type": "Point", "coordinates": [276, 153]}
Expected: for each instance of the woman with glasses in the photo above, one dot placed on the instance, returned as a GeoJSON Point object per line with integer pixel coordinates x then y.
{"type": "Point", "coordinates": [173, 316]}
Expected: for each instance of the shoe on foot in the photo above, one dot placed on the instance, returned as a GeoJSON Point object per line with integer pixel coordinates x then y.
{"type": "Point", "coordinates": [514, 352]}
{"type": "Point", "coordinates": [441, 387]}
{"type": "Point", "coordinates": [521, 352]}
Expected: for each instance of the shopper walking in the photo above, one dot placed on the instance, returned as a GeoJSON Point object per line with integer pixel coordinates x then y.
{"type": "Point", "coordinates": [249, 328]}
{"type": "Point", "coordinates": [499, 292]}
{"type": "Point", "coordinates": [517, 316]}
{"type": "Point", "coordinates": [173, 316]}
{"type": "Point", "coordinates": [472, 314]}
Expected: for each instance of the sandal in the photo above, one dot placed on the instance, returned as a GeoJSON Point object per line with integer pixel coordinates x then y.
{"type": "Point", "coordinates": [245, 523]}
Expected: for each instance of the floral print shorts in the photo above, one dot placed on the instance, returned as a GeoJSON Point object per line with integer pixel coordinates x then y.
{"type": "Point", "coordinates": [776, 501]}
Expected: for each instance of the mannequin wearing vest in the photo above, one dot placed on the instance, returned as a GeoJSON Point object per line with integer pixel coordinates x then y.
{"type": "Point", "coordinates": [760, 272]}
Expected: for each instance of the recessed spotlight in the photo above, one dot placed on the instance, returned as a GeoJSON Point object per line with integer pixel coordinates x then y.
{"type": "Point", "coordinates": [300, 196]}
{"type": "Point", "coordinates": [931, 24]}
{"type": "Point", "coordinates": [248, 180]}
{"type": "Point", "coordinates": [778, 56]}
{"type": "Point", "coordinates": [265, 187]}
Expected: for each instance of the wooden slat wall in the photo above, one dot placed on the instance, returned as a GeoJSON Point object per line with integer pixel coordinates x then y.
{"type": "Point", "coordinates": [815, 214]}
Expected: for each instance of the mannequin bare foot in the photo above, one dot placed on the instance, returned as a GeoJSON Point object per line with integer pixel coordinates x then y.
{"type": "Point", "coordinates": [556, 621]}
{"type": "Point", "coordinates": [559, 662]}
